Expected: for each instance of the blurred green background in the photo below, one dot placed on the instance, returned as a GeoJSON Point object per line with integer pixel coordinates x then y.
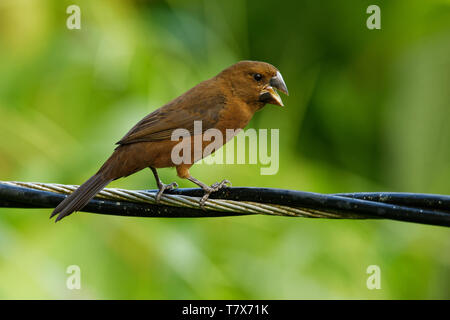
{"type": "Point", "coordinates": [369, 110]}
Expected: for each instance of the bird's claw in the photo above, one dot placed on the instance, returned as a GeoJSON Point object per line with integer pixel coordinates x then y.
{"type": "Point", "coordinates": [213, 188]}
{"type": "Point", "coordinates": [163, 188]}
{"type": "Point", "coordinates": [219, 185]}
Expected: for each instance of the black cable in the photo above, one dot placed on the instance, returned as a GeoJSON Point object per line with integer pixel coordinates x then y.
{"type": "Point", "coordinates": [21, 197]}
{"type": "Point", "coordinates": [412, 207]}
{"type": "Point", "coordinates": [420, 208]}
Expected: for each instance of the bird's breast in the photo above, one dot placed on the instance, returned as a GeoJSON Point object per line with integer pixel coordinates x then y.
{"type": "Point", "coordinates": [234, 117]}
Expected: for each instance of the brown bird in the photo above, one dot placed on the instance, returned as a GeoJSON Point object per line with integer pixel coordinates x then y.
{"type": "Point", "coordinates": [226, 101]}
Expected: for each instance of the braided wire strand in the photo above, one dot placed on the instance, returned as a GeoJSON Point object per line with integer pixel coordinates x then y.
{"type": "Point", "coordinates": [431, 209]}
{"type": "Point", "coordinates": [149, 197]}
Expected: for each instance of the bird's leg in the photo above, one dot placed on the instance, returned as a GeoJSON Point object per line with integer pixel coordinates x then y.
{"type": "Point", "coordinates": [208, 189]}
{"type": "Point", "coordinates": [161, 186]}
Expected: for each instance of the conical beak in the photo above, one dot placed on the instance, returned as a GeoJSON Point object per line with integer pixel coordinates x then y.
{"type": "Point", "coordinates": [278, 83]}
{"type": "Point", "coordinates": [270, 95]}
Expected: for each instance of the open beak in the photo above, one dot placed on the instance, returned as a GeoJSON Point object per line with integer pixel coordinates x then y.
{"type": "Point", "coordinates": [270, 95]}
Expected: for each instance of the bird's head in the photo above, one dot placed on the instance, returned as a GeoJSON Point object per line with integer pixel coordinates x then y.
{"type": "Point", "coordinates": [255, 82]}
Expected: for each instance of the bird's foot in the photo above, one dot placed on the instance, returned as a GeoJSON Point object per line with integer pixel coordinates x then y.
{"type": "Point", "coordinates": [213, 188]}
{"type": "Point", "coordinates": [163, 187]}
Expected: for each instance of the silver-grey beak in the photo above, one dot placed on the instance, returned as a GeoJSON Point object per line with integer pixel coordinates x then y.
{"type": "Point", "coordinates": [270, 95]}
{"type": "Point", "coordinates": [278, 83]}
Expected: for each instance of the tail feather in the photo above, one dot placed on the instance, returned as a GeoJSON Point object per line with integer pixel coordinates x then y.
{"type": "Point", "coordinates": [80, 197]}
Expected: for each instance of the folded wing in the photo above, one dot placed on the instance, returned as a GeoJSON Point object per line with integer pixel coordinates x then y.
{"type": "Point", "coordinates": [202, 103]}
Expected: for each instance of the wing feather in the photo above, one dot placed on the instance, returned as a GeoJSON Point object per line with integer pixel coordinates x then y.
{"type": "Point", "coordinates": [202, 103]}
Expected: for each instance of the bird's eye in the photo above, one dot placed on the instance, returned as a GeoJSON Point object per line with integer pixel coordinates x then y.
{"type": "Point", "coordinates": [257, 76]}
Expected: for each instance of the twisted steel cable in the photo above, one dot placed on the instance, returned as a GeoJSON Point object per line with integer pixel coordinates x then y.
{"type": "Point", "coordinates": [419, 208]}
